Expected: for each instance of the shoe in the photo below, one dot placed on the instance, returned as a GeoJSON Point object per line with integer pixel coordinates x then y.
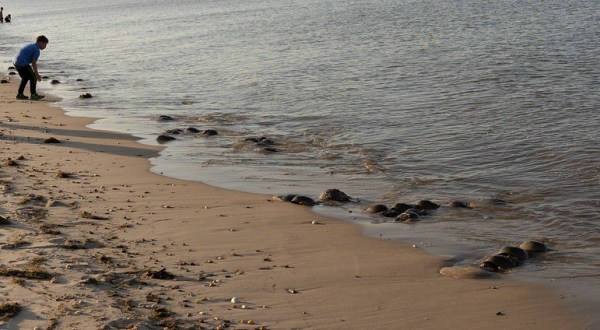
{"type": "Point", "coordinates": [36, 97]}
{"type": "Point", "coordinates": [22, 97]}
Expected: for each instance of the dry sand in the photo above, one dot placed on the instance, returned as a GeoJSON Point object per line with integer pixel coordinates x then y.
{"type": "Point", "coordinates": [87, 229]}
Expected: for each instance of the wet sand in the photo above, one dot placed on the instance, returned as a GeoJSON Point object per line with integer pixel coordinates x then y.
{"type": "Point", "coordinates": [91, 239]}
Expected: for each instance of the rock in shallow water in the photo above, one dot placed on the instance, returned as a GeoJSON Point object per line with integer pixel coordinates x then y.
{"type": "Point", "coordinates": [303, 200]}
{"type": "Point", "coordinates": [379, 208]}
{"type": "Point", "coordinates": [515, 252]}
{"type": "Point", "coordinates": [164, 138]}
{"type": "Point", "coordinates": [497, 263]}
{"type": "Point", "coordinates": [334, 195]}
{"type": "Point", "coordinates": [427, 205]}
{"type": "Point", "coordinates": [533, 247]}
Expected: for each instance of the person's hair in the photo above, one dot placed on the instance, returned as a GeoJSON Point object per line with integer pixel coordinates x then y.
{"type": "Point", "coordinates": [42, 39]}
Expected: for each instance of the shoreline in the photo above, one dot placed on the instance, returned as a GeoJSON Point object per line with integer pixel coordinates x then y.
{"type": "Point", "coordinates": [214, 245]}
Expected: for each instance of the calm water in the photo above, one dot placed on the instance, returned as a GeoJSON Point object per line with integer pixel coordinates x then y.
{"type": "Point", "coordinates": [386, 100]}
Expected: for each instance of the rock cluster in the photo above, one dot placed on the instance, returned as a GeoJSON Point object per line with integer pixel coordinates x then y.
{"type": "Point", "coordinates": [511, 256]}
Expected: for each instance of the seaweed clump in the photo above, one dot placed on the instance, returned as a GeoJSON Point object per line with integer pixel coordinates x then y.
{"type": "Point", "coordinates": [9, 310]}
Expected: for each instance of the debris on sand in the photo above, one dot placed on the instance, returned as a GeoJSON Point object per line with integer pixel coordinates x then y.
{"type": "Point", "coordinates": [88, 215]}
{"type": "Point", "coordinates": [9, 310]}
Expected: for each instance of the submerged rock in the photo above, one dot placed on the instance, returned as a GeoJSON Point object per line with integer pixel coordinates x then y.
{"type": "Point", "coordinates": [427, 205]}
{"type": "Point", "coordinates": [210, 132]}
{"type": "Point", "coordinates": [460, 205]}
{"type": "Point", "coordinates": [533, 247]}
{"type": "Point", "coordinates": [379, 208]}
{"type": "Point", "coordinates": [401, 207]}
{"type": "Point", "coordinates": [407, 216]}
{"type": "Point", "coordinates": [514, 252]}
{"type": "Point", "coordinates": [165, 118]}
{"type": "Point", "coordinates": [164, 138]}
{"type": "Point", "coordinates": [497, 263]}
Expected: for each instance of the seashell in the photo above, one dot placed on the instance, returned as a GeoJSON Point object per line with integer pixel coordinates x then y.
{"type": "Point", "coordinates": [235, 300]}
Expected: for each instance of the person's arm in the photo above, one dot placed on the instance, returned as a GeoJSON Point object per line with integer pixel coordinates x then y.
{"type": "Point", "coordinates": [35, 70]}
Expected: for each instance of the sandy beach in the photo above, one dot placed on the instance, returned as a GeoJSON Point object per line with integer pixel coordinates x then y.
{"type": "Point", "coordinates": [91, 239]}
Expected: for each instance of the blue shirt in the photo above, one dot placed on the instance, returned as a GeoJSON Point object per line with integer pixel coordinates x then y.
{"type": "Point", "coordinates": [27, 55]}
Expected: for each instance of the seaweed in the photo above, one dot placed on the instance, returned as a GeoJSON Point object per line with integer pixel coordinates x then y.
{"type": "Point", "coordinates": [9, 310]}
{"type": "Point", "coordinates": [31, 272]}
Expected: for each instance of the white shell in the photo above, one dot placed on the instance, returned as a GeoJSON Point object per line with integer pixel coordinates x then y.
{"type": "Point", "coordinates": [235, 300]}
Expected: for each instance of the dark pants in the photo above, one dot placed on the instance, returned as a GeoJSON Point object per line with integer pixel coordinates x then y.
{"type": "Point", "coordinates": [27, 75]}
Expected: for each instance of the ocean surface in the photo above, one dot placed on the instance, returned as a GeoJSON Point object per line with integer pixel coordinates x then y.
{"type": "Point", "coordinates": [494, 103]}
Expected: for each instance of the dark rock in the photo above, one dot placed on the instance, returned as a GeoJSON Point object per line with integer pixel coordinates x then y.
{"type": "Point", "coordinates": [459, 204]}
{"type": "Point", "coordinates": [55, 82]}
{"type": "Point", "coordinates": [489, 266]}
{"type": "Point", "coordinates": [427, 205]}
{"type": "Point", "coordinates": [379, 208]}
{"type": "Point", "coordinates": [500, 261]}
{"type": "Point", "coordinates": [287, 198]}
{"type": "Point", "coordinates": [270, 149]}
{"type": "Point", "coordinates": [401, 207]}
{"type": "Point", "coordinates": [263, 140]}
{"type": "Point", "coordinates": [79, 79]}
{"type": "Point", "coordinates": [533, 247]}
{"type": "Point", "coordinates": [12, 73]}
{"type": "Point", "coordinates": [4, 81]}
{"type": "Point", "coordinates": [11, 68]}
{"type": "Point", "coordinates": [165, 118]}
{"type": "Point", "coordinates": [51, 140]}
{"type": "Point", "coordinates": [334, 195]}
{"type": "Point", "coordinates": [175, 131]}
{"type": "Point", "coordinates": [164, 138]}
{"type": "Point", "coordinates": [251, 139]}
{"type": "Point", "coordinates": [192, 130]}
{"type": "Point", "coordinates": [514, 251]}
{"type": "Point", "coordinates": [210, 132]}
{"type": "Point", "coordinates": [418, 211]}
{"type": "Point", "coordinates": [407, 216]}
{"type": "Point", "coordinates": [303, 200]}
{"type": "Point", "coordinates": [85, 96]}
{"type": "Point", "coordinates": [392, 213]}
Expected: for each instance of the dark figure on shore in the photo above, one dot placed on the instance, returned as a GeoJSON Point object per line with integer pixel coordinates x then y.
{"type": "Point", "coordinates": [26, 64]}
{"type": "Point", "coordinates": [1, 14]}
{"type": "Point", "coordinates": [7, 19]}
